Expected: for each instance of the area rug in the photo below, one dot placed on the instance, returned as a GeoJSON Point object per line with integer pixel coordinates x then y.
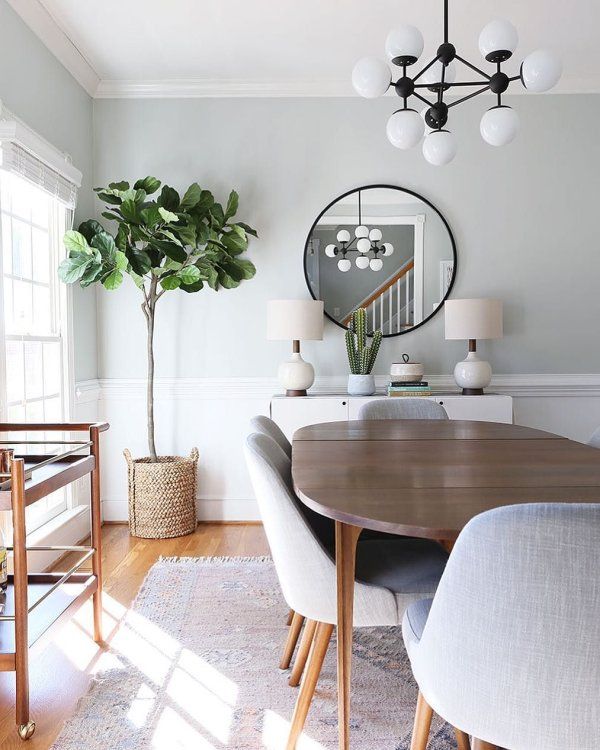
{"type": "Point", "coordinates": [195, 666]}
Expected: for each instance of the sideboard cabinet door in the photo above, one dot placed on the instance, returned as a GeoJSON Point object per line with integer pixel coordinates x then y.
{"type": "Point", "coordinates": [293, 412]}
{"type": "Point", "coordinates": [489, 408]}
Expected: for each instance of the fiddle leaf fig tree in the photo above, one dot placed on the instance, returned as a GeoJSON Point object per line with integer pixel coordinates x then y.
{"type": "Point", "coordinates": [163, 243]}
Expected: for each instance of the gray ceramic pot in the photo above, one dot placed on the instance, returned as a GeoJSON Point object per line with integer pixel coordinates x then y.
{"type": "Point", "coordinates": [361, 385]}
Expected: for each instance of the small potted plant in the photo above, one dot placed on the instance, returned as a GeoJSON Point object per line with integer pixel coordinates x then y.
{"type": "Point", "coordinates": [361, 357]}
{"type": "Point", "coordinates": [164, 244]}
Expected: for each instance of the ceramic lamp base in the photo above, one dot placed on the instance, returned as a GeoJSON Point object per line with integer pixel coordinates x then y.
{"type": "Point", "coordinates": [296, 375]}
{"type": "Point", "coordinates": [472, 375]}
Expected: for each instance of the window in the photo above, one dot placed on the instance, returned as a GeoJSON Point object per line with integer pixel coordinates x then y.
{"type": "Point", "coordinates": [34, 370]}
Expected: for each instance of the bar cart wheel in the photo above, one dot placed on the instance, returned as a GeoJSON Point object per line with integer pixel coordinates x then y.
{"type": "Point", "coordinates": [26, 730]}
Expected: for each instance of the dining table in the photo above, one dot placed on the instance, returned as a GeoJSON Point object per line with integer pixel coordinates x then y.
{"type": "Point", "coordinates": [427, 479]}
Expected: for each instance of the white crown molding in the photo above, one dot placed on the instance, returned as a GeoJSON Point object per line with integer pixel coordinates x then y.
{"type": "Point", "coordinates": [518, 386]}
{"type": "Point", "coordinates": [44, 25]}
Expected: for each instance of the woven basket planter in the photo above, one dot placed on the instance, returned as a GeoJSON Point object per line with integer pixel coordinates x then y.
{"type": "Point", "coordinates": [162, 495]}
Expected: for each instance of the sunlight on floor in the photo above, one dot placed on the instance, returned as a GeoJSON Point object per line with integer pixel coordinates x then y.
{"type": "Point", "coordinates": [175, 733]}
{"type": "Point", "coordinates": [276, 730]}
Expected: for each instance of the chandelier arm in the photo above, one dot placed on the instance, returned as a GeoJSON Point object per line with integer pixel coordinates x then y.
{"type": "Point", "coordinates": [465, 83]}
{"type": "Point", "coordinates": [426, 68]}
{"type": "Point", "coordinates": [423, 99]}
{"type": "Point", "coordinates": [469, 96]}
{"type": "Point", "coordinates": [473, 67]}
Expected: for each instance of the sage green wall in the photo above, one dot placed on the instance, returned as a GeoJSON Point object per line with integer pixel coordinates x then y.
{"type": "Point", "coordinates": [525, 219]}
{"type": "Point", "coordinates": [39, 90]}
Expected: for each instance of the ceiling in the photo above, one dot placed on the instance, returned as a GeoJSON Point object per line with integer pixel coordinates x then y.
{"type": "Point", "coordinates": [285, 47]}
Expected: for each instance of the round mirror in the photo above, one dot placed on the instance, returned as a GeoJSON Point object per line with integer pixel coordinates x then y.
{"type": "Point", "coordinates": [383, 248]}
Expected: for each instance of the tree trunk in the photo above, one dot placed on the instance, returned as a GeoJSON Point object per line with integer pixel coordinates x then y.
{"type": "Point", "coordinates": [149, 312]}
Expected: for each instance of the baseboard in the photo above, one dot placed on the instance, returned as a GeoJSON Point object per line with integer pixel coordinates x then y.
{"type": "Point", "coordinates": [226, 510]}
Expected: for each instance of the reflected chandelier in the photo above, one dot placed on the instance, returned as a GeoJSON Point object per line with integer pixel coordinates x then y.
{"type": "Point", "coordinates": [367, 241]}
{"type": "Point", "coordinates": [371, 78]}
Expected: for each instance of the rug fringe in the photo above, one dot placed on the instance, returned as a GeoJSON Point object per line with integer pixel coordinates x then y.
{"type": "Point", "coordinates": [215, 560]}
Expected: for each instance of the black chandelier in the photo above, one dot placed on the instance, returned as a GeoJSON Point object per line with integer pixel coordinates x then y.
{"type": "Point", "coordinates": [369, 247]}
{"type": "Point", "coordinates": [371, 78]}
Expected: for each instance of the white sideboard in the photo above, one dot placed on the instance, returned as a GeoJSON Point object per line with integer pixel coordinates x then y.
{"type": "Point", "coordinates": [291, 413]}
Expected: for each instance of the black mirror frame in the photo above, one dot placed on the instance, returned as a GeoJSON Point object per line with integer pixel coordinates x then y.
{"type": "Point", "coordinates": [404, 190]}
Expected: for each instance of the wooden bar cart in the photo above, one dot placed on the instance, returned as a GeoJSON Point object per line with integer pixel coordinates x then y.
{"type": "Point", "coordinates": [35, 602]}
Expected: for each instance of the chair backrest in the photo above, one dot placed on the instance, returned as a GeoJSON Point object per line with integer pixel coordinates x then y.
{"type": "Point", "coordinates": [511, 649]}
{"type": "Point", "coordinates": [268, 427]}
{"type": "Point", "coordinates": [594, 441]}
{"type": "Point", "coordinates": [402, 408]}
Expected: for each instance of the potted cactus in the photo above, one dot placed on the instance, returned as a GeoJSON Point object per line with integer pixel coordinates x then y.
{"type": "Point", "coordinates": [163, 243]}
{"type": "Point", "coordinates": [361, 357]}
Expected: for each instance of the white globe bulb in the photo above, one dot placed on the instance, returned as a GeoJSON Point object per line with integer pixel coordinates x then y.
{"type": "Point", "coordinates": [499, 125]}
{"type": "Point", "coordinates": [361, 231]}
{"type": "Point", "coordinates": [375, 235]}
{"type": "Point", "coordinates": [540, 70]}
{"type": "Point", "coordinates": [439, 147]}
{"type": "Point", "coordinates": [363, 245]}
{"type": "Point", "coordinates": [376, 264]}
{"type": "Point", "coordinates": [344, 265]}
{"type": "Point", "coordinates": [362, 262]}
{"type": "Point", "coordinates": [498, 36]}
{"type": "Point", "coordinates": [388, 248]}
{"type": "Point", "coordinates": [343, 235]}
{"type": "Point", "coordinates": [371, 77]}
{"type": "Point", "coordinates": [405, 41]}
{"type": "Point", "coordinates": [330, 251]}
{"type": "Point", "coordinates": [434, 74]}
{"type": "Point", "coordinates": [405, 128]}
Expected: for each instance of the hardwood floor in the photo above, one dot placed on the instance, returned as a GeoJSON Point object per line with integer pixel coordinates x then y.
{"type": "Point", "coordinates": [60, 674]}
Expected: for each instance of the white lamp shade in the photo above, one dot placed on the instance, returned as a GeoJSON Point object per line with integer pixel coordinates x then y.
{"type": "Point", "coordinates": [294, 320]}
{"type": "Point", "coordinates": [376, 264]}
{"type": "Point", "coordinates": [439, 147]}
{"type": "Point", "coordinates": [541, 70]}
{"type": "Point", "coordinates": [371, 77]}
{"type": "Point", "coordinates": [343, 235]}
{"type": "Point", "coordinates": [362, 262]}
{"type": "Point", "coordinates": [344, 265]}
{"type": "Point", "coordinates": [499, 125]}
{"type": "Point", "coordinates": [404, 41]}
{"type": "Point", "coordinates": [375, 235]}
{"type": "Point", "coordinates": [330, 251]}
{"type": "Point", "coordinates": [434, 74]}
{"type": "Point", "coordinates": [363, 245]}
{"type": "Point", "coordinates": [361, 231]}
{"type": "Point", "coordinates": [388, 248]}
{"type": "Point", "coordinates": [473, 318]}
{"type": "Point", "coordinates": [405, 128]}
{"type": "Point", "coordinates": [496, 36]}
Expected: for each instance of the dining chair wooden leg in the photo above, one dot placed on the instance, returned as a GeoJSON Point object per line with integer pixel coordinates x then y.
{"type": "Point", "coordinates": [290, 617]}
{"type": "Point", "coordinates": [291, 641]}
{"type": "Point", "coordinates": [304, 649]}
{"type": "Point", "coordinates": [309, 681]}
{"type": "Point", "coordinates": [422, 725]}
{"type": "Point", "coordinates": [483, 745]}
{"type": "Point", "coordinates": [462, 740]}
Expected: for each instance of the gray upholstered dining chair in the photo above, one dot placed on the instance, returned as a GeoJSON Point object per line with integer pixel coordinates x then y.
{"type": "Point", "coordinates": [594, 441]}
{"type": "Point", "coordinates": [509, 648]}
{"type": "Point", "coordinates": [390, 573]}
{"type": "Point", "coordinates": [402, 408]}
{"type": "Point", "coordinates": [267, 426]}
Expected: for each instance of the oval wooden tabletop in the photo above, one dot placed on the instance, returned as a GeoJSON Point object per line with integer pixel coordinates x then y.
{"type": "Point", "coordinates": [428, 478]}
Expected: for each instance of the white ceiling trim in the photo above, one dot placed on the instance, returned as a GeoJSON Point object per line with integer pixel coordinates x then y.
{"type": "Point", "coordinates": [45, 27]}
{"type": "Point", "coordinates": [197, 88]}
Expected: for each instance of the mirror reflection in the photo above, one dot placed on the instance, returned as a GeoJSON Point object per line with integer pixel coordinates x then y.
{"type": "Point", "coordinates": [383, 248]}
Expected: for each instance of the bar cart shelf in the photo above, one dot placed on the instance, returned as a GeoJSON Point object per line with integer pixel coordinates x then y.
{"type": "Point", "coordinates": [35, 603]}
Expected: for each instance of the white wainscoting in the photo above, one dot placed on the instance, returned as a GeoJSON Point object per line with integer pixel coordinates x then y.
{"type": "Point", "coordinates": [212, 414]}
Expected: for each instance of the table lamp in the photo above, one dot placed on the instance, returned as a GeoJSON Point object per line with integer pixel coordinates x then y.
{"type": "Point", "coordinates": [295, 320]}
{"type": "Point", "coordinates": [473, 319]}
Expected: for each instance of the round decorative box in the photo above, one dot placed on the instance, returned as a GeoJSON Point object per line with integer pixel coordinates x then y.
{"type": "Point", "coordinates": [407, 371]}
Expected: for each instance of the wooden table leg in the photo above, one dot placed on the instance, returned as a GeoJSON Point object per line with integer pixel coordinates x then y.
{"type": "Point", "coordinates": [96, 512]}
{"type": "Point", "coordinates": [346, 537]}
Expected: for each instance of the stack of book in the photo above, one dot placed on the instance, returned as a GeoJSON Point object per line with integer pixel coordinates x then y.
{"type": "Point", "coordinates": [412, 388]}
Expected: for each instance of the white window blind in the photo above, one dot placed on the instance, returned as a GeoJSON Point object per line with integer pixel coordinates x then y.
{"type": "Point", "coordinates": [29, 156]}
